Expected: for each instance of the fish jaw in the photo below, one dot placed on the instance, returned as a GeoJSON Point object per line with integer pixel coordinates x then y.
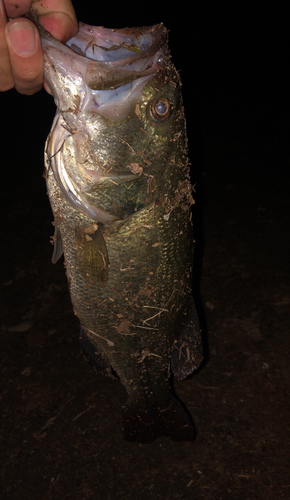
{"type": "Point", "coordinates": [73, 186]}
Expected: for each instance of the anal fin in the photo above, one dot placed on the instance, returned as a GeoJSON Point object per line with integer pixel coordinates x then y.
{"type": "Point", "coordinates": [97, 360]}
{"type": "Point", "coordinates": [187, 354]}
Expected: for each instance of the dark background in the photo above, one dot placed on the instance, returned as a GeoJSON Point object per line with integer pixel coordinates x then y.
{"type": "Point", "coordinates": [233, 61]}
{"type": "Point", "coordinates": [61, 428]}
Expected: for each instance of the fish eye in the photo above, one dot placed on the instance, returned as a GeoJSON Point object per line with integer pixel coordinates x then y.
{"type": "Point", "coordinates": [161, 109]}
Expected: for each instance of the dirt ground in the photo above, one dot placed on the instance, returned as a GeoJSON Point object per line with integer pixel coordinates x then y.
{"type": "Point", "coordinates": [61, 423]}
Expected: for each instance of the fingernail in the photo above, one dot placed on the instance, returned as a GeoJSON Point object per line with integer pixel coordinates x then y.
{"type": "Point", "coordinates": [22, 37]}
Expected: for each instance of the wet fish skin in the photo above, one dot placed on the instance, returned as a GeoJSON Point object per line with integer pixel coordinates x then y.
{"type": "Point", "coordinates": [118, 183]}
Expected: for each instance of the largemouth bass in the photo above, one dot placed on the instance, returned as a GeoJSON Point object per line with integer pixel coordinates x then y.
{"type": "Point", "coordinates": [117, 175]}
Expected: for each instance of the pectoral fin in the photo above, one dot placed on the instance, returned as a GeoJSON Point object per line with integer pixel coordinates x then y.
{"type": "Point", "coordinates": [57, 246]}
{"type": "Point", "coordinates": [92, 259]}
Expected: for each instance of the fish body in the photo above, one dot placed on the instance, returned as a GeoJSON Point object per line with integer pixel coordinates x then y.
{"type": "Point", "coordinates": [117, 174]}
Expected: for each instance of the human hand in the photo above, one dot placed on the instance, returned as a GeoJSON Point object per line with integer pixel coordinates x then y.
{"type": "Point", "coordinates": [21, 62]}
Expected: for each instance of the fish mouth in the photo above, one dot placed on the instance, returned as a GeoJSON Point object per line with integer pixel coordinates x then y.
{"type": "Point", "coordinates": [111, 45]}
{"type": "Point", "coordinates": [137, 50]}
{"type": "Point", "coordinates": [109, 58]}
{"type": "Point", "coordinates": [113, 65]}
{"type": "Point", "coordinates": [106, 59]}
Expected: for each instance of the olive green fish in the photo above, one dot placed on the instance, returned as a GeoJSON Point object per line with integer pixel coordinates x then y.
{"type": "Point", "coordinates": [117, 174]}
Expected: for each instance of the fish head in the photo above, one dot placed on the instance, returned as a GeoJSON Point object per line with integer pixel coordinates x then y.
{"type": "Point", "coordinates": [119, 132]}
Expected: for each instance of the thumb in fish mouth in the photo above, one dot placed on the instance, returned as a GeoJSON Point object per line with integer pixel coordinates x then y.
{"type": "Point", "coordinates": [21, 58]}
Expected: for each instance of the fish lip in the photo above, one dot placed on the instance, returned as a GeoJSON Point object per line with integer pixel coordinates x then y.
{"type": "Point", "coordinates": [159, 39]}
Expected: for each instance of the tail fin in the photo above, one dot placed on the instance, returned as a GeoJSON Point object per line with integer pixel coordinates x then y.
{"type": "Point", "coordinates": [145, 423]}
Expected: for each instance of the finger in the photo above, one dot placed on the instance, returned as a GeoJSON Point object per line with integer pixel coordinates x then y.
{"type": "Point", "coordinates": [58, 18]}
{"type": "Point", "coordinates": [17, 9]}
{"type": "Point", "coordinates": [25, 55]}
{"type": "Point", "coordinates": [60, 25]}
{"type": "Point", "coordinates": [6, 77]}
{"type": "Point", "coordinates": [20, 55]}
